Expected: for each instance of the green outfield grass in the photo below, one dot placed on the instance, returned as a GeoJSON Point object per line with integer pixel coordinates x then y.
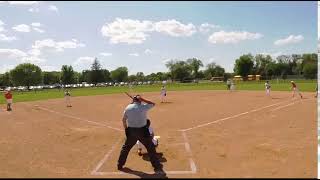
{"type": "Point", "coordinates": [281, 85]}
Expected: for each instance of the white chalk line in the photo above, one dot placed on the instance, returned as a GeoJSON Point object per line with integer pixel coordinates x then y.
{"type": "Point", "coordinates": [290, 104]}
{"type": "Point", "coordinates": [74, 117]}
{"type": "Point", "coordinates": [105, 158]}
{"type": "Point", "coordinates": [187, 147]}
{"type": "Point", "coordinates": [230, 117]}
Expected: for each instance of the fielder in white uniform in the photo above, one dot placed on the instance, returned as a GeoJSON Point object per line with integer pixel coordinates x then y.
{"type": "Point", "coordinates": [163, 94]}
{"type": "Point", "coordinates": [268, 88]}
{"type": "Point", "coordinates": [233, 86]}
{"type": "Point", "coordinates": [155, 140]}
{"type": "Point", "coordinates": [67, 97]}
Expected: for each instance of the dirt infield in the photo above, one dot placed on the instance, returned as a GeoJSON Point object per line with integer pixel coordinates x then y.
{"type": "Point", "coordinates": [203, 134]}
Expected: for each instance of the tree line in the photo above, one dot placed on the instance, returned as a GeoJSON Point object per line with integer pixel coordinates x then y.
{"type": "Point", "coordinates": [179, 70]}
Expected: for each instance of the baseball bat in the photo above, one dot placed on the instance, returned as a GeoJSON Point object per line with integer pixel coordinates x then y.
{"type": "Point", "coordinates": [129, 95]}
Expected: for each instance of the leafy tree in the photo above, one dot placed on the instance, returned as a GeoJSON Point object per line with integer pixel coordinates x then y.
{"type": "Point", "coordinates": [179, 70]}
{"type": "Point", "coordinates": [67, 75]}
{"type": "Point", "coordinates": [195, 65]}
{"type": "Point", "coordinates": [244, 65]}
{"type": "Point", "coordinates": [84, 76]}
{"type": "Point", "coordinates": [26, 75]}
{"type": "Point", "coordinates": [51, 77]}
{"type": "Point", "coordinates": [96, 74]}
{"type": "Point", "coordinates": [132, 78]}
{"type": "Point", "coordinates": [213, 70]}
{"type": "Point", "coordinates": [260, 64]}
{"type": "Point", "coordinates": [120, 74]}
{"type": "Point", "coordinates": [140, 76]}
{"type": "Point", "coordinates": [310, 71]}
{"type": "Point", "coordinates": [106, 75]}
{"type": "Point", "coordinates": [5, 80]}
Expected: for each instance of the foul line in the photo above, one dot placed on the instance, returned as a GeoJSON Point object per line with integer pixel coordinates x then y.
{"type": "Point", "coordinates": [230, 117]}
{"type": "Point", "coordinates": [74, 117]}
{"type": "Point", "coordinates": [95, 171]}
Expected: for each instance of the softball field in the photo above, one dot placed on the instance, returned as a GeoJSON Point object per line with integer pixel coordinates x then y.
{"type": "Point", "coordinates": [204, 134]}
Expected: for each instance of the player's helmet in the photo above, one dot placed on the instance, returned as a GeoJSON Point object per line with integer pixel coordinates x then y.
{"type": "Point", "coordinates": [136, 98]}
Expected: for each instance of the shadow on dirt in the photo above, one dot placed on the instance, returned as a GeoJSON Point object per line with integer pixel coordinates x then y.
{"type": "Point", "coordinates": [146, 157]}
{"type": "Point", "coordinates": [143, 175]}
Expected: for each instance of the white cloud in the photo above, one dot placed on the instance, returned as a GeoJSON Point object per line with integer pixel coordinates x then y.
{"type": "Point", "coordinates": [22, 28]}
{"type": "Point", "coordinates": [36, 24]}
{"type": "Point", "coordinates": [292, 39]}
{"type": "Point", "coordinates": [50, 68]}
{"type": "Point", "coordinates": [53, 8]}
{"type": "Point", "coordinates": [34, 10]}
{"type": "Point", "coordinates": [127, 31]}
{"type": "Point", "coordinates": [25, 3]}
{"type": "Point", "coordinates": [6, 38]}
{"type": "Point", "coordinates": [6, 68]}
{"type": "Point", "coordinates": [134, 54]}
{"type": "Point", "coordinates": [206, 27]}
{"type": "Point", "coordinates": [83, 62]}
{"type": "Point", "coordinates": [135, 32]}
{"type": "Point", "coordinates": [232, 37]}
{"type": "Point", "coordinates": [12, 53]}
{"type": "Point", "coordinates": [1, 23]}
{"type": "Point", "coordinates": [105, 54]}
{"type": "Point", "coordinates": [175, 28]}
{"type": "Point", "coordinates": [34, 52]}
{"type": "Point", "coordinates": [273, 55]}
{"type": "Point", "coordinates": [38, 30]}
{"type": "Point", "coordinates": [147, 51]}
{"type": "Point", "coordinates": [33, 59]}
{"type": "Point", "coordinates": [57, 45]}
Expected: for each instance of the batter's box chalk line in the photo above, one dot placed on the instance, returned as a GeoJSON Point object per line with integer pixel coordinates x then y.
{"type": "Point", "coordinates": [186, 144]}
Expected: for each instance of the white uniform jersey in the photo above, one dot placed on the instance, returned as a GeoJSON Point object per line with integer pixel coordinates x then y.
{"type": "Point", "coordinates": [163, 91]}
{"type": "Point", "coordinates": [267, 85]}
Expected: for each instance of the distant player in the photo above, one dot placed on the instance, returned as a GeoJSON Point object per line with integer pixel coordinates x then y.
{"type": "Point", "coordinates": [228, 84]}
{"type": "Point", "coordinates": [316, 92]}
{"type": "Point", "coordinates": [268, 88]}
{"type": "Point", "coordinates": [163, 94]}
{"type": "Point", "coordinates": [295, 89]}
{"type": "Point", "coordinates": [233, 86]}
{"type": "Point", "coordinates": [67, 97]}
{"type": "Point", "coordinates": [154, 139]}
{"type": "Point", "coordinates": [8, 97]}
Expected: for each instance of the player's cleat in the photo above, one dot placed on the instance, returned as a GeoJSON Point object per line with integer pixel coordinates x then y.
{"type": "Point", "coordinates": [120, 167]}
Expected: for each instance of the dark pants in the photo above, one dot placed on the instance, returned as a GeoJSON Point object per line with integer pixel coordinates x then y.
{"type": "Point", "coordinates": [141, 134]}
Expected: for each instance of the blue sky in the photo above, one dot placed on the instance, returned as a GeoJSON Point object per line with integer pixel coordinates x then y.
{"type": "Point", "coordinates": [144, 35]}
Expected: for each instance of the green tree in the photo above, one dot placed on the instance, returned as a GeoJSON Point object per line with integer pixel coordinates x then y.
{"type": "Point", "coordinates": [195, 65]}
{"type": "Point", "coordinates": [244, 66]}
{"type": "Point", "coordinates": [26, 75]}
{"type": "Point", "coordinates": [51, 77]}
{"type": "Point", "coordinates": [179, 70]}
{"type": "Point", "coordinates": [96, 74]}
{"type": "Point", "coordinates": [5, 80]}
{"type": "Point", "coordinates": [310, 71]}
{"type": "Point", "coordinates": [67, 75]}
{"type": "Point", "coordinates": [106, 75]}
{"type": "Point", "coordinates": [140, 76]}
{"type": "Point", "coordinates": [132, 78]}
{"type": "Point", "coordinates": [120, 74]}
{"type": "Point", "coordinates": [213, 70]}
{"type": "Point", "coordinates": [260, 64]}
